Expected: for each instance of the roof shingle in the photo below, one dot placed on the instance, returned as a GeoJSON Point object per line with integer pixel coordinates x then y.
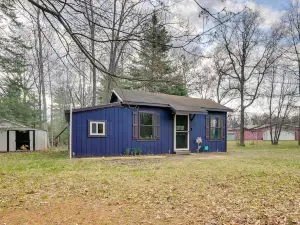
{"type": "Point", "coordinates": [177, 103]}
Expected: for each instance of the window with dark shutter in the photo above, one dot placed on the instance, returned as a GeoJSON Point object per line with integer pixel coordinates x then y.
{"type": "Point", "coordinates": [147, 126]}
{"type": "Point", "coordinates": [215, 128]}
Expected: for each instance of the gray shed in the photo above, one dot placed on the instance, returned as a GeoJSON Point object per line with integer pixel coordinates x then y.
{"type": "Point", "coordinates": [14, 137]}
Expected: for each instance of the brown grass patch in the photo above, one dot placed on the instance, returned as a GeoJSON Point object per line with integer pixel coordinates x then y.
{"type": "Point", "coordinates": [258, 184]}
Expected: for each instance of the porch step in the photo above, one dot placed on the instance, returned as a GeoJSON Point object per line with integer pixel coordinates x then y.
{"type": "Point", "coordinates": [182, 152]}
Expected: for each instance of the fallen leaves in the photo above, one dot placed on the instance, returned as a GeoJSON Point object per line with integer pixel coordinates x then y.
{"type": "Point", "coordinates": [248, 186]}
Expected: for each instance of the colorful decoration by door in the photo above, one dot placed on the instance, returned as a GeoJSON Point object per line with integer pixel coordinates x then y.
{"type": "Point", "coordinates": [199, 142]}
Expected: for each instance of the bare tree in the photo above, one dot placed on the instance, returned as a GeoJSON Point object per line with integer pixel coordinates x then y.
{"type": "Point", "coordinates": [225, 93]}
{"type": "Point", "coordinates": [89, 7]}
{"type": "Point", "coordinates": [119, 25]}
{"type": "Point", "coordinates": [281, 98]}
{"type": "Point", "coordinates": [251, 51]}
{"type": "Point", "coordinates": [41, 69]}
{"type": "Point", "coordinates": [292, 21]}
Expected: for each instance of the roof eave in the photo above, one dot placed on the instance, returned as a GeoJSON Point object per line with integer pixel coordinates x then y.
{"type": "Point", "coordinates": [115, 92]}
{"type": "Point", "coordinates": [145, 104]}
{"type": "Point", "coordinates": [219, 110]}
{"type": "Point", "coordinates": [190, 112]}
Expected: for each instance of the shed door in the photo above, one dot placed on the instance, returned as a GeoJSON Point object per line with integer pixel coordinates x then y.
{"type": "Point", "coordinates": [12, 140]}
{"type": "Point", "coordinates": [3, 141]}
{"type": "Point", "coordinates": [31, 133]}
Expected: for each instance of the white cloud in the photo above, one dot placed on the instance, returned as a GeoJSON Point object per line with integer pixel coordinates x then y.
{"type": "Point", "coordinates": [189, 9]}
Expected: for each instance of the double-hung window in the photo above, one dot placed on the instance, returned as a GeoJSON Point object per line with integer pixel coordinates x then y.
{"type": "Point", "coordinates": [146, 126]}
{"type": "Point", "coordinates": [97, 128]}
{"type": "Point", "coordinates": [215, 128]}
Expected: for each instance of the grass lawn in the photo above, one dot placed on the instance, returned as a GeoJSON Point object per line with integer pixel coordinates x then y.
{"type": "Point", "coordinates": [258, 184]}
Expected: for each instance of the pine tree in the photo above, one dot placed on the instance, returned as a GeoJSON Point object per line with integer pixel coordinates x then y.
{"type": "Point", "coordinates": [17, 102]}
{"type": "Point", "coordinates": [12, 46]}
{"type": "Point", "coordinates": [153, 63]}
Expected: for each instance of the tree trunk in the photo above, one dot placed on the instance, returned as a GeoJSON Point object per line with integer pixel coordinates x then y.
{"type": "Point", "coordinates": [242, 125]}
{"type": "Point", "coordinates": [41, 71]}
{"type": "Point", "coordinates": [299, 121]}
{"type": "Point", "coordinates": [298, 93]}
{"type": "Point", "coordinates": [94, 72]}
{"type": "Point", "coordinates": [51, 112]}
{"type": "Point", "coordinates": [39, 84]}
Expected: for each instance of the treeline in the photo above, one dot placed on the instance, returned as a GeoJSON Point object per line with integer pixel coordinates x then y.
{"type": "Point", "coordinates": [55, 54]}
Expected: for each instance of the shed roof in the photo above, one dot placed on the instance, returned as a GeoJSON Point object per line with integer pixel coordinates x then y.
{"type": "Point", "coordinates": [176, 103]}
{"type": "Point", "coordinates": [4, 123]}
{"type": "Point", "coordinates": [10, 125]}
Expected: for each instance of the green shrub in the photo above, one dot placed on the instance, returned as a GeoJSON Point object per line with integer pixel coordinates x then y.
{"type": "Point", "coordinates": [137, 151]}
{"type": "Point", "coordinates": [127, 151]}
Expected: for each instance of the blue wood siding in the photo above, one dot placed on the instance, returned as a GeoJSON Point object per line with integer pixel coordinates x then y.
{"type": "Point", "coordinates": [119, 133]}
{"type": "Point", "coordinates": [197, 126]}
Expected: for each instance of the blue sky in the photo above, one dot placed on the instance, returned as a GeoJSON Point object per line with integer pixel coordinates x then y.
{"type": "Point", "coordinates": [273, 4]}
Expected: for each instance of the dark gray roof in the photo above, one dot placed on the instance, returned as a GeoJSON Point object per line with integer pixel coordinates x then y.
{"type": "Point", "coordinates": [176, 103]}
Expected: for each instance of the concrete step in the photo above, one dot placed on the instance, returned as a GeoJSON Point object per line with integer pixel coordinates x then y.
{"type": "Point", "coordinates": [182, 152]}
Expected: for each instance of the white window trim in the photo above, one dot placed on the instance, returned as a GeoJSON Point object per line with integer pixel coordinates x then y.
{"type": "Point", "coordinates": [91, 134]}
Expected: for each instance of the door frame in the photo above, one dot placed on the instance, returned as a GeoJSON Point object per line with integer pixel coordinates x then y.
{"type": "Point", "coordinates": [188, 133]}
{"type": "Point", "coordinates": [17, 140]}
{"type": "Point", "coordinates": [11, 143]}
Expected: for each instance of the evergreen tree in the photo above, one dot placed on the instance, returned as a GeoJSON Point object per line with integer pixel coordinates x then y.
{"type": "Point", "coordinates": [17, 102]}
{"type": "Point", "coordinates": [153, 63]}
{"type": "Point", "coordinates": [12, 46]}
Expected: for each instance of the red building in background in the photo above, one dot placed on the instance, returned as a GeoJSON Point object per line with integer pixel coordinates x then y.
{"type": "Point", "coordinates": [257, 133]}
{"type": "Point", "coordinates": [251, 132]}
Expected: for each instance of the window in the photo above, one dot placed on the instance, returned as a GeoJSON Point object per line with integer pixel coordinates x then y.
{"type": "Point", "coordinates": [97, 128]}
{"type": "Point", "coordinates": [146, 126]}
{"type": "Point", "coordinates": [214, 128]}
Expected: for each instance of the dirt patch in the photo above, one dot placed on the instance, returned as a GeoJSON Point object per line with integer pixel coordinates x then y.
{"type": "Point", "coordinates": [212, 157]}
{"type": "Point", "coordinates": [67, 211]}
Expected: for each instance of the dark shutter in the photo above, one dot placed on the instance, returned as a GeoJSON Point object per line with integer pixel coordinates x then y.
{"type": "Point", "coordinates": [135, 127]}
{"type": "Point", "coordinates": [222, 128]}
{"type": "Point", "coordinates": [157, 126]}
{"type": "Point", "coordinates": [207, 128]}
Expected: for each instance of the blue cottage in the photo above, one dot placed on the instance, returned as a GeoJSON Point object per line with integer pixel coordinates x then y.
{"type": "Point", "coordinates": [148, 123]}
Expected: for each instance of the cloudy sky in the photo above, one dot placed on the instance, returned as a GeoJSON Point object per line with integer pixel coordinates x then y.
{"type": "Point", "coordinates": [271, 10]}
{"type": "Point", "coordinates": [272, 4]}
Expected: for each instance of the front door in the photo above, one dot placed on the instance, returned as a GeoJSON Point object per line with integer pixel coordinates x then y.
{"type": "Point", "coordinates": [181, 132]}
